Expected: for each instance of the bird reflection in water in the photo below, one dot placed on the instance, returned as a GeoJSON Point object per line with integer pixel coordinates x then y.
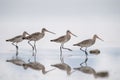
{"type": "Point", "coordinates": [89, 70]}
{"type": "Point", "coordinates": [64, 67]}
{"type": "Point", "coordinates": [36, 66]}
{"type": "Point", "coordinates": [16, 61]}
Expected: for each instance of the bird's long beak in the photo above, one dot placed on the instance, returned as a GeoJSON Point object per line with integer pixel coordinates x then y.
{"type": "Point", "coordinates": [100, 38]}
{"type": "Point", "coordinates": [27, 33]}
{"type": "Point", "coordinates": [73, 34]}
{"type": "Point", "coordinates": [50, 70]}
{"type": "Point", "coordinates": [50, 32]}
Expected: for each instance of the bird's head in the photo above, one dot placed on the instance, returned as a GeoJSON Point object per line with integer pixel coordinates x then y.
{"type": "Point", "coordinates": [25, 33]}
{"type": "Point", "coordinates": [45, 30]}
{"type": "Point", "coordinates": [69, 32]}
{"type": "Point", "coordinates": [95, 36]}
{"type": "Point", "coordinates": [25, 66]}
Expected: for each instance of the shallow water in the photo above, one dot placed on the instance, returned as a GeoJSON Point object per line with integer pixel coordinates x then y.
{"type": "Point", "coordinates": [107, 60]}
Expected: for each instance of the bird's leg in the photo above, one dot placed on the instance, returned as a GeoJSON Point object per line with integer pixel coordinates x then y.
{"type": "Point", "coordinates": [61, 59]}
{"type": "Point", "coordinates": [84, 61]}
{"type": "Point", "coordinates": [81, 63]}
{"type": "Point", "coordinates": [35, 51]}
{"type": "Point", "coordinates": [60, 53]}
{"type": "Point", "coordinates": [35, 47]}
{"type": "Point", "coordinates": [30, 59]}
{"type": "Point", "coordinates": [82, 49]}
{"type": "Point", "coordinates": [65, 48]}
{"type": "Point", "coordinates": [86, 49]}
{"type": "Point", "coordinates": [32, 47]}
{"type": "Point", "coordinates": [16, 48]}
{"type": "Point", "coordinates": [86, 56]}
{"type": "Point", "coordinates": [33, 55]}
{"type": "Point", "coordinates": [34, 58]}
{"type": "Point", "coordinates": [86, 53]}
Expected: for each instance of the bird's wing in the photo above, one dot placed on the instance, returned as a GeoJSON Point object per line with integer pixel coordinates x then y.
{"type": "Point", "coordinates": [14, 38]}
{"type": "Point", "coordinates": [33, 35]}
{"type": "Point", "coordinates": [60, 39]}
{"type": "Point", "coordinates": [60, 66]}
{"type": "Point", "coordinates": [86, 41]}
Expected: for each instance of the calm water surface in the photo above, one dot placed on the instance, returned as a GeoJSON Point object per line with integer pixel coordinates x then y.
{"type": "Point", "coordinates": [107, 60]}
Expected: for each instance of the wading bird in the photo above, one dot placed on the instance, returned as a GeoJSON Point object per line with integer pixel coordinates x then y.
{"type": "Point", "coordinates": [87, 43]}
{"type": "Point", "coordinates": [63, 40]}
{"type": "Point", "coordinates": [35, 37]}
{"type": "Point", "coordinates": [15, 40]}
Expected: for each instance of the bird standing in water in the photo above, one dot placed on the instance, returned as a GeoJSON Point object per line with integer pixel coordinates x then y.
{"type": "Point", "coordinates": [87, 43]}
{"type": "Point", "coordinates": [63, 40]}
{"type": "Point", "coordinates": [35, 37]}
{"type": "Point", "coordinates": [15, 40]}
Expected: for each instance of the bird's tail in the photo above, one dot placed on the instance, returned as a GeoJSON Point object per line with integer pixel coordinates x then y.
{"type": "Point", "coordinates": [25, 38]}
{"type": "Point", "coordinates": [52, 40]}
{"type": "Point", "coordinates": [8, 40]}
{"type": "Point", "coordinates": [75, 44]}
{"type": "Point", "coordinates": [8, 60]}
{"type": "Point", "coordinates": [53, 65]}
